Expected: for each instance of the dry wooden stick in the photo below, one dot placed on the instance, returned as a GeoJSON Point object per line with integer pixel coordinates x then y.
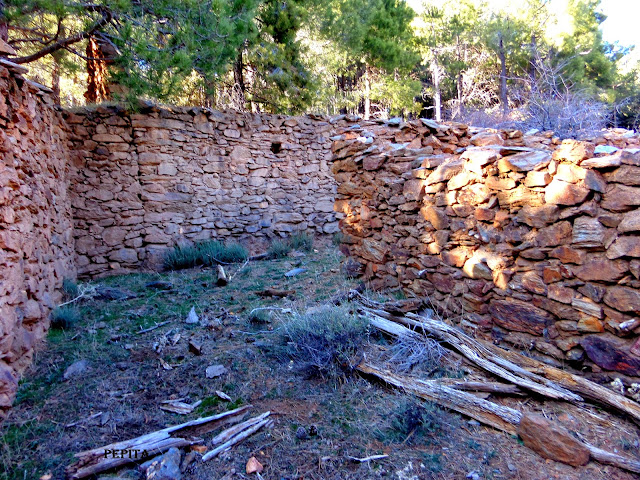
{"type": "Point", "coordinates": [222, 276]}
{"type": "Point", "coordinates": [609, 458]}
{"type": "Point", "coordinates": [158, 325]}
{"type": "Point", "coordinates": [224, 436]}
{"type": "Point", "coordinates": [491, 387]}
{"type": "Point", "coordinates": [104, 458]}
{"type": "Point", "coordinates": [236, 434]}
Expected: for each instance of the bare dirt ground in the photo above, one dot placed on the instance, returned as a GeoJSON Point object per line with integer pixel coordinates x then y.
{"type": "Point", "coordinates": [318, 423]}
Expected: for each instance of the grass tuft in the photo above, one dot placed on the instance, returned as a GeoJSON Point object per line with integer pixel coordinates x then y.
{"type": "Point", "coordinates": [65, 318]}
{"type": "Point", "coordinates": [278, 249]}
{"type": "Point", "coordinates": [302, 241]}
{"type": "Point", "coordinates": [327, 342]}
{"type": "Point", "coordinates": [206, 253]}
{"type": "Point", "coordinates": [70, 288]}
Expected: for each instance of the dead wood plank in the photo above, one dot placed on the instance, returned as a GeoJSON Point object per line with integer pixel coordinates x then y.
{"type": "Point", "coordinates": [521, 365]}
{"type": "Point", "coordinates": [491, 387]}
{"type": "Point", "coordinates": [96, 460]}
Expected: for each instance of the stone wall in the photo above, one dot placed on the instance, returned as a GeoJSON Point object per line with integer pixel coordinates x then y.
{"type": "Point", "coordinates": [36, 240]}
{"type": "Point", "coordinates": [525, 240]}
{"type": "Point", "coordinates": [144, 182]}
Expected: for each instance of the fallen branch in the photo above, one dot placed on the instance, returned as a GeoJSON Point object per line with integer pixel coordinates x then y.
{"type": "Point", "coordinates": [616, 460]}
{"type": "Point", "coordinates": [491, 387]}
{"type": "Point", "coordinates": [236, 434]}
{"type": "Point", "coordinates": [473, 351]}
{"type": "Point", "coordinates": [157, 325]}
{"type": "Point", "coordinates": [523, 369]}
{"type": "Point", "coordinates": [367, 459]}
{"type": "Point", "coordinates": [98, 460]}
{"type": "Point", "coordinates": [78, 422]}
{"type": "Point", "coordinates": [498, 416]}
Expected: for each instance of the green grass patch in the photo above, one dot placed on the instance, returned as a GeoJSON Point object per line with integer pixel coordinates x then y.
{"type": "Point", "coordinates": [206, 253]}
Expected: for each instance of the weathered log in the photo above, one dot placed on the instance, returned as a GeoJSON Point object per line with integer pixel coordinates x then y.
{"type": "Point", "coordinates": [514, 362]}
{"type": "Point", "coordinates": [489, 413]}
{"type": "Point", "coordinates": [585, 387]}
{"type": "Point", "coordinates": [473, 351]}
{"type": "Point", "coordinates": [222, 276]}
{"type": "Point", "coordinates": [491, 387]}
{"type": "Point", "coordinates": [117, 454]}
{"type": "Point", "coordinates": [616, 460]}
{"type": "Point", "coordinates": [500, 417]}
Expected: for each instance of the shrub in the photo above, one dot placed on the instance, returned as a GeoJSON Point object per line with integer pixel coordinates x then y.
{"type": "Point", "coordinates": [419, 420]}
{"type": "Point", "coordinates": [302, 241]}
{"type": "Point", "coordinates": [278, 249]}
{"type": "Point", "coordinates": [65, 317]}
{"type": "Point", "coordinates": [207, 253]}
{"type": "Point", "coordinates": [327, 342]}
{"type": "Point", "coordinates": [259, 315]}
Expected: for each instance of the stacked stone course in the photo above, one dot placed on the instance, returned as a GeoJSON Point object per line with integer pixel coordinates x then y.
{"type": "Point", "coordinates": [524, 239]}
{"type": "Point", "coordinates": [146, 181]}
{"type": "Point", "coordinates": [36, 231]}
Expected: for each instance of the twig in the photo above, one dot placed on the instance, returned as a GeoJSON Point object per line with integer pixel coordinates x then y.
{"type": "Point", "coordinates": [158, 325]}
{"type": "Point", "coordinates": [69, 425]}
{"type": "Point", "coordinates": [367, 459]}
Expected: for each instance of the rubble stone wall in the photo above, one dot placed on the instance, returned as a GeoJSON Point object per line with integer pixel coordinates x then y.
{"type": "Point", "coordinates": [146, 181]}
{"type": "Point", "coordinates": [36, 228]}
{"type": "Point", "coordinates": [523, 239]}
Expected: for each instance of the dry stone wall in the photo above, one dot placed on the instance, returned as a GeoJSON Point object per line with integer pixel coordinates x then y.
{"type": "Point", "coordinates": [524, 239]}
{"type": "Point", "coordinates": [36, 238]}
{"type": "Point", "coordinates": [146, 181]}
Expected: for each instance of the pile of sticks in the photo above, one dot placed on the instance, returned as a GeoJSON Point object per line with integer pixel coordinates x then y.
{"type": "Point", "coordinates": [115, 455]}
{"type": "Point", "coordinates": [523, 374]}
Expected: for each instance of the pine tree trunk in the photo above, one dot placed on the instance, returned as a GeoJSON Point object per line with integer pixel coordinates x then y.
{"type": "Point", "coordinates": [504, 101]}
{"type": "Point", "coordinates": [238, 80]}
{"type": "Point", "coordinates": [367, 93]}
{"type": "Point", "coordinates": [97, 75]}
{"type": "Point", "coordinates": [55, 79]}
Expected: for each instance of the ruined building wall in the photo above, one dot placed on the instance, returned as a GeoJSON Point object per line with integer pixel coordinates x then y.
{"type": "Point", "coordinates": [525, 240]}
{"type": "Point", "coordinates": [36, 239]}
{"type": "Point", "coordinates": [146, 181]}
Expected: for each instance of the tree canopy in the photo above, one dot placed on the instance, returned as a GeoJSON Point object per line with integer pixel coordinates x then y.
{"type": "Point", "coordinates": [465, 59]}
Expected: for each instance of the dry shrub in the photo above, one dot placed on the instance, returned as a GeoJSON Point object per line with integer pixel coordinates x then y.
{"type": "Point", "coordinates": [327, 341]}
